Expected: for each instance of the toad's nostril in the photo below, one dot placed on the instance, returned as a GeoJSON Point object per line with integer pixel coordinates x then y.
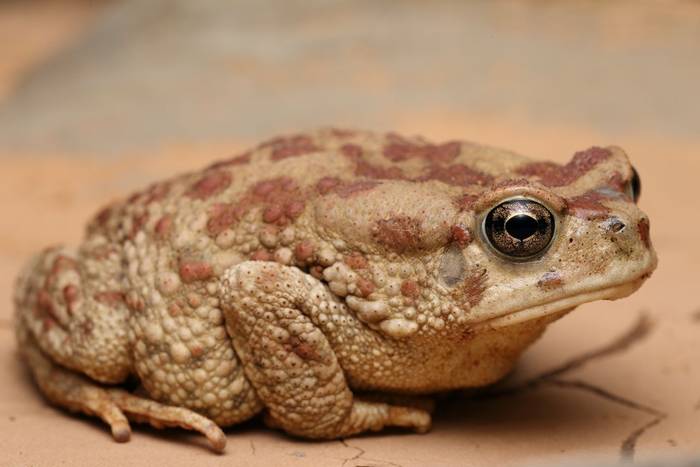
{"type": "Point", "coordinates": [617, 226]}
{"type": "Point", "coordinates": [614, 225]}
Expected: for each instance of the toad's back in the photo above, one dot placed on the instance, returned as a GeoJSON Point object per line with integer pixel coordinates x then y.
{"type": "Point", "coordinates": [273, 183]}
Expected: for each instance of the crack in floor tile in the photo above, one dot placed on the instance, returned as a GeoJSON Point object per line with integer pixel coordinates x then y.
{"type": "Point", "coordinates": [605, 394]}
{"type": "Point", "coordinates": [639, 331]}
{"type": "Point", "coordinates": [361, 456]}
{"type": "Point", "coordinates": [360, 452]}
{"type": "Point", "coordinates": [628, 445]}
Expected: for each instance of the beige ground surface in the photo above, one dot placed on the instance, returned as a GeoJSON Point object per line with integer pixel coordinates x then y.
{"type": "Point", "coordinates": [611, 381]}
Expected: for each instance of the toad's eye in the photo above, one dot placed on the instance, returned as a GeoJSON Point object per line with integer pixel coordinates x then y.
{"type": "Point", "coordinates": [519, 228]}
{"type": "Point", "coordinates": [634, 186]}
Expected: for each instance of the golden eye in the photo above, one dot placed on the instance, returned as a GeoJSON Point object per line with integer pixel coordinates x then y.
{"type": "Point", "coordinates": [519, 228]}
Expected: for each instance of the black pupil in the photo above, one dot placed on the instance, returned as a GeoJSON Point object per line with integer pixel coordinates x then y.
{"type": "Point", "coordinates": [521, 226]}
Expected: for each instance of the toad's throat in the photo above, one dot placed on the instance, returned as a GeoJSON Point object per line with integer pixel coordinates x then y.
{"type": "Point", "coordinates": [516, 316]}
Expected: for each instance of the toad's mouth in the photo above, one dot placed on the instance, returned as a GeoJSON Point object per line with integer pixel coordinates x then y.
{"type": "Point", "coordinates": [564, 304]}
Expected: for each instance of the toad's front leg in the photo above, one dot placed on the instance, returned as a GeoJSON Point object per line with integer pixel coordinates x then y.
{"type": "Point", "coordinates": [272, 313]}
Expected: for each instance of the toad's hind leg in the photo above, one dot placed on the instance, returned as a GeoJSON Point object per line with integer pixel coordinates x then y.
{"type": "Point", "coordinates": [71, 319]}
{"type": "Point", "coordinates": [114, 406]}
{"type": "Point", "coordinates": [274, 314]}
{"type": "Point", "coordinates": [73, 307]}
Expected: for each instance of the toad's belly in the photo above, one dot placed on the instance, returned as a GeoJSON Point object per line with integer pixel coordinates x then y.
{"type": "Point", "coordinates": [425, 367]}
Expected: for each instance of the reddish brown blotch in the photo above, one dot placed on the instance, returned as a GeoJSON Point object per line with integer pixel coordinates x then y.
{"type": "Point", "coordinates": [195, 270]}
{"type": "Point", "coordinates": [213, 182]}
{"type": "Point", "coordinates": [289, 146]}
{"type": "Point", "coordinates": [304, 250]}
{"type": "Point", "coordinates": [400, 233]}
{"type": "Point", "coordinates": [551, 174]}
{"type": "Point", "coordinates": [461, 235]}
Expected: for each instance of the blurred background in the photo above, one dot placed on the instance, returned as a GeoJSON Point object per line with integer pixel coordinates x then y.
{"type": "Point", "coordinates": [101, 97]}
{"type": "Point", "coordinates": [106, 78]}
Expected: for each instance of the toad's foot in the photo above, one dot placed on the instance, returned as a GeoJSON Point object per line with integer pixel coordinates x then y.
{"type": "Point", "coordinates": [115, 406]}
{"type": "Point", "coordinates": [158, 415]}
{"type": "Point", "coordinates": [373, 416]}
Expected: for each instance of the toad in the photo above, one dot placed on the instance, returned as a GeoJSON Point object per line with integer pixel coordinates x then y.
{"type": "Point", "coordinates": [293, 278]}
